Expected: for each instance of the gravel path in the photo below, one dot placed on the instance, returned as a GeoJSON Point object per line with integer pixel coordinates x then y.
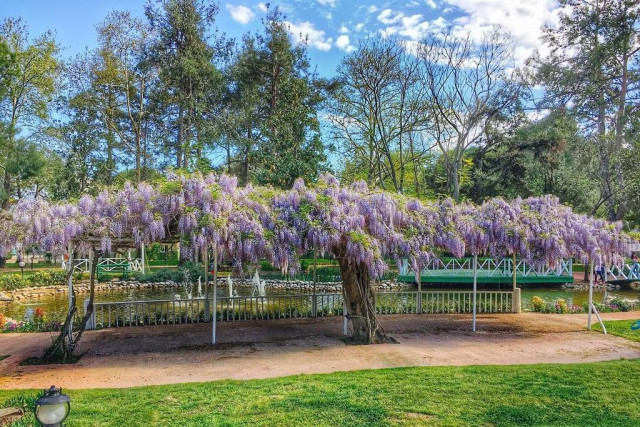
{"type": "Point", "coordinates": [135, 356]}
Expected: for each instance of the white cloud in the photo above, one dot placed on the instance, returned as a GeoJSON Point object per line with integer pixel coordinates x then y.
{"type": "Point", "coordinates": [241, 14]}
{"type": "Point", "coordinates": [359, 27]}
{"type": "Point", "coordinates": [343, 43]}
{"type": "Point", "coordinates": [344, 29]}
{"type": "Point", "coordinates": [523, 19]}
{"type": "Point", "coordinates": [262, 7]}
{"type": "Point", "coordinates": [372, 9]}
{"type": "Point", "coordinates": [432, 4]}
{"type": "Point", "coordinates": [306, 30]}
{"type": "Point", "coordinates": [413, 27]}
{"type": "Point", "coordinates": [388, 17]}
{"type": "Point", "coordinates": [331, 3]}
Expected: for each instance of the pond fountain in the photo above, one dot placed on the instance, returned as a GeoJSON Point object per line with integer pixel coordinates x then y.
{"type": "Point", "coordinates": [230, 286]}
{"type": "Point", "coordinates": [187, 285]}
{"type": "Point", "coordinates": [258, 286]}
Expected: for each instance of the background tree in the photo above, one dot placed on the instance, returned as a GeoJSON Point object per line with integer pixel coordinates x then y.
{"type": "Point", "coordinates": [547, 156]}
{"type": "Point", "coordinates": [592, 70]}
{"type": "Point", "coordinates": [379, 113]}
{"type": "Point", "coordinates": [272, 110]}
{"type": "Point", "coordinates": [190, 84]}
{"type": "Point", "coordinates": [28, 89]}
{"type": "Point", "coordinates": [122, 78]}
{"type": "Point", "coordinates": [473, 91]}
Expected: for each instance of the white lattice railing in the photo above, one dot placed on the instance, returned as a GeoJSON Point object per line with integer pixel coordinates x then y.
{"type": "Point", "coordinates": [622, 272]}
{"type": "Point", "coordinates": [491, 267]}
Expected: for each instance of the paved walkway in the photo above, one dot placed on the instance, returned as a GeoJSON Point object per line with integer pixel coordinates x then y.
{"type": "Point", "coordinates": [135, 356]}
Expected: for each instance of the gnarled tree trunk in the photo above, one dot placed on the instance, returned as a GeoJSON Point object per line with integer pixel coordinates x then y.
{"type": "Point", "coordinates": [63, 346]}
{"type": "Point", "coordinates": [360, 300]}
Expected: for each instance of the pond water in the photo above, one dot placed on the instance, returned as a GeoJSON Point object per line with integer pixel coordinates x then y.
{"type": "Point", "coordinates": [55, 306]}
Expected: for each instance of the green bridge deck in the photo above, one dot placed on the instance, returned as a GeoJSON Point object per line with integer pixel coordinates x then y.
{"type": "Point", "coordinates": [466, 276]}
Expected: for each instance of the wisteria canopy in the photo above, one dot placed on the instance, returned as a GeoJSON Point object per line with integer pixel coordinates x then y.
{"type": "Point", "coordinates": [366, 225]}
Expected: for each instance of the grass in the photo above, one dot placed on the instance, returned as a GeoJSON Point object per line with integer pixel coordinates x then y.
{"type": "Point", "coordinates": [600, 394]}
{"type": "Point", "coordinates": [621, 328]}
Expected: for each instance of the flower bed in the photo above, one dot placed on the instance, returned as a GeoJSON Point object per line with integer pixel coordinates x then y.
{"type": "Point", "coordinates": [561, 306]}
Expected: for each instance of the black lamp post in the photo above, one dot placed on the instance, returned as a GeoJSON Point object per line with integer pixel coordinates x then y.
{"type": "Point", "coordinates": [52, 408]}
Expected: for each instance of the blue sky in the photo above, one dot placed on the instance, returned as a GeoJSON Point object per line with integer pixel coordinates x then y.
{"type": "Point", "coordinates": [333, 26]}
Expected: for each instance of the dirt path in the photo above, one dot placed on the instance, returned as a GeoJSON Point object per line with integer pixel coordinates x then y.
{"type": "Point", "coordinates": [128, 357]}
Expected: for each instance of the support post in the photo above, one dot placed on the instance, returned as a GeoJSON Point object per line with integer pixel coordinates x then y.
{"type": "Point", "coordinates": [314, 298]}
{"type": "Point", "coordinates": [419, 294]}
{"type": "Point", "coordinates": [590, 295]}
{"type": "Point", "coordinates": [207, 307]}
{"type": "Point", "coordinates": [70, 285]}
{"type": "Point", "coordinates": [345, 321]}
{"type": "Point", "coordinates": [142, 250]}
{"type": "Point", "coordinates": [516, 305]}
{"type": "Point", "coordinates": [215, 293]}
{"type": "Point", "coordinates": [513, 270]}
{"type": "Point", "coordinates": [475, 289]}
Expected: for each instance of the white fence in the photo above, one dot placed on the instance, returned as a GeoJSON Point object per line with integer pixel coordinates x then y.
{"type": "Point", "coordinates": [229, 309]}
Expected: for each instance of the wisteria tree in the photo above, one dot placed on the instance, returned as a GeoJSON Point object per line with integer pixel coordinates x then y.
{"type": "Point", "coordinates": [362, 228]}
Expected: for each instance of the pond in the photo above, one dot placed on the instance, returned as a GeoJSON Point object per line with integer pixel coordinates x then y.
{"type": "Point", "coordinates": [55, 306]}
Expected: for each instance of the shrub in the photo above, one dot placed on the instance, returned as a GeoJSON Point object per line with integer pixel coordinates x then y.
{"type": "Point", "coordinates": [561, 306]}
{"type": "Point", "coordinates": [172, 274]}
{"type": "Point", "coordinates": [623, 305]}
{"type": "Point", "coordinates": [47, 278]}
{"type": "Point", "coordinates": [537, 304]}
{"type": "Point", "coordinates": [266, 266]}
{"type": "Point", "coordinates": [3, 319]}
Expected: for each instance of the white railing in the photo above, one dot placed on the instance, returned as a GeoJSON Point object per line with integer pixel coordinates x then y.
{"type": "Point", "coordinates": [178, 311]}
{"type": "Point", "coordinates": [81, 265]}
{"type": "Point", "coordinates": [135, 265]}
{"type": "Point", "coordinates": [462, 302]}
{"type": "Point", "coordinates": [622, 272]}
{"type": "Point", "coordinates": [491, 267]}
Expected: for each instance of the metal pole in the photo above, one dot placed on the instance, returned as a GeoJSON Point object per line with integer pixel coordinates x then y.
{"type": "Point", "coordinates": [345, 321]}
{"type": "Point", "coordinates": [206, 283]}
{"type": "Point", "coordinates": [514, 267]}
{"type": "Point", "coordinates": [475, 289]}
{"type": "Point", "coordinates": [590, 295]}
{"type": "Point", "coordinates": [143, 258]}
{"type": "Point", "coordinates": [70, 285]}
{"type": "Point", "coordinates": [215, 293]}
{"type": "Point", "coordinates": [420, 293]}
{"type": "Point", "coordinates": [314, 301]}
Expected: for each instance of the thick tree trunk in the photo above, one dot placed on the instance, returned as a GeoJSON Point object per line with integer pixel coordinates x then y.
{"type": "Point", "coordinates": [61, 349]}
{"type": "Point", "coordinates": [360, 300]}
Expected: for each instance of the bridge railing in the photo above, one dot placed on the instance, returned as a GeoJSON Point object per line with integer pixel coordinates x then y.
{"type": "Point", "coordinates": [81, 265]}
{"type": "Point", "coordinates": [622, 272]}
{"type": "Point", "coordinates": [492, 267]}
{"type": "Point", "coordinates": [229, 309]}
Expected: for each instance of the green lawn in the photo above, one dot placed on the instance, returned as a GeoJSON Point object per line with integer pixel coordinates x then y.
{"type": "Point", "coordinates": [621, 328]}
{"type": "Point", "coordinates": [576, 394]}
